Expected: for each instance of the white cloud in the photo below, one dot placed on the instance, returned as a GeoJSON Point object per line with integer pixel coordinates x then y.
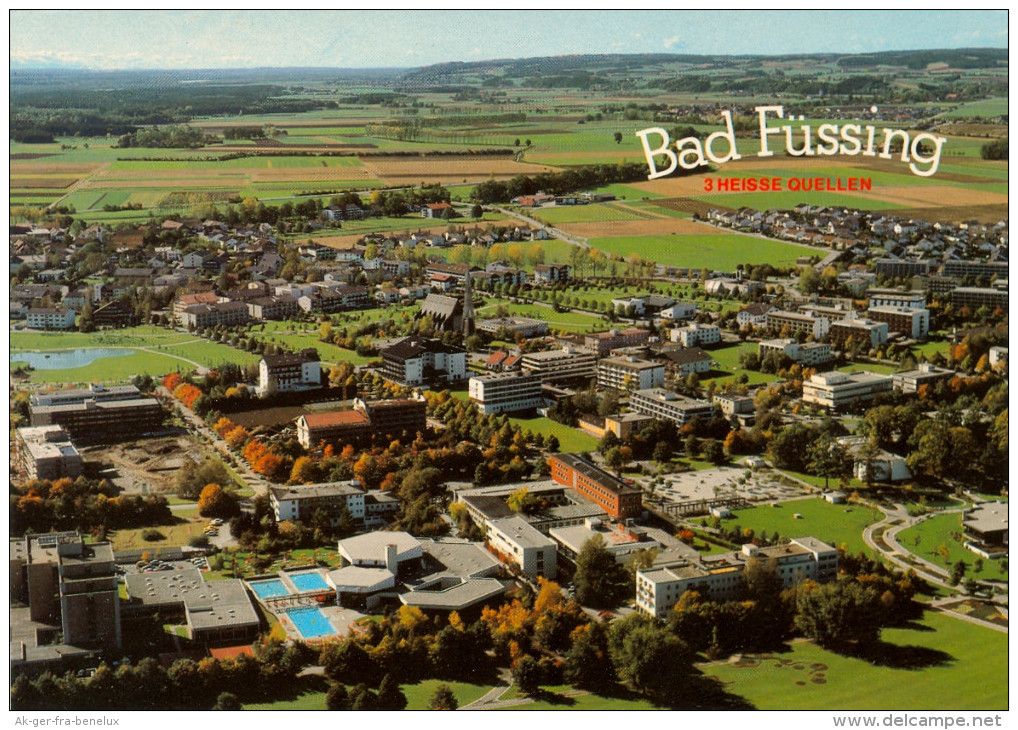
{"type": "Point", "coordinates": [673, 41]}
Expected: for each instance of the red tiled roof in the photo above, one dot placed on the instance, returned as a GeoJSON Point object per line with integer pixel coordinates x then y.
{"type": "Point", "coordinates": [335, 418]}
{"type": "Point", "coordinates": [496, 358]}
{"type": "Point", "coordinates": [230, 652]}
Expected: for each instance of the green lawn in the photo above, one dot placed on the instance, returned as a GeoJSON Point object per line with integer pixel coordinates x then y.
{"type": "Point", "coordinates": [210, 354]}
{"type": "Point", "coordinates": [570, 440]}
{"type": "Point", "coordinates": [722, 251]}
{"type": "Point", "coordinates": [971, 674]}
{"type": "Point", "coordinates": [877, 368]}
{"type": "Point", "coordinates": [113, 369]}
{"type": "Point", "coordinates": [929, 538]}
{"type": "Point", "coordinates": [142, 336]}
{"type": "Point", "coordinates": [175, 535]}
{"type": "Point", "coordinates": [584, 213]}
{"type": "Point", "coordinates": [836, 524]}
{"type": "Point", "coordinates": [567, 321]}
{"type": "Point", "coordinates": [584, 702]}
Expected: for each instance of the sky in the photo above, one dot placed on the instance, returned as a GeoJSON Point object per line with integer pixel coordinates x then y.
{"type": "Point", "coordinates": [189, 39]}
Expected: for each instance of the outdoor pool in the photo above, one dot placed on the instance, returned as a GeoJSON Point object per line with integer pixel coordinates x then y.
{"type": "Point", "coordinates": [310, 622]}
{"type": "Point", "coordinates": [309, 581]}
{"type": "Point", "coordinates": [63, 359]}
{"type": "Point", "coordinates": [269, 588]}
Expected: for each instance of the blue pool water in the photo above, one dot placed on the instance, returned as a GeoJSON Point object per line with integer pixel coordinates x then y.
{"type": "Point", "coordinates": [310, 622]}
{"type": "Point", "coordinates": [62, 359]}
{"type": "Point", "coordinates": [309, 581]}
{"type": "Point", "coordinates": [269, 588]}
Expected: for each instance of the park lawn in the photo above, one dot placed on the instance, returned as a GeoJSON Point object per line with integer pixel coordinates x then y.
{"type": "Point", "coordinates": [568, 321]}
{"type": "Point", "coordinates": [210, 354]}
{"type": "Point", "coordinates": [113, 369]}
{"type": "Point", "coordinates": [972, 676]}
{"type": "Point", "coordinates": [586, 701]}
{"type": "Point", "coordinates": [877, 368]}
{"type": "Point", "coordinates": [836, 524]}
{"type": "Point", "coordinates": [176, 536]}
{"type": "Point", "coordinates": [929, 539]}
{"type": "Point", "coordinates": [571, 440]}
{"type": "Point", "coordinates": [721, 251]}
{"type": "Point", "coordinates": [727, 359]}
{"type": "Point", "coordinates": [141, 336]}
{"type": "Point", "coordinates": [820, 483]}
{"type": "Point", "coordinates": [929, 349]}
{"type": "Point", "coordinates": [419, 695]}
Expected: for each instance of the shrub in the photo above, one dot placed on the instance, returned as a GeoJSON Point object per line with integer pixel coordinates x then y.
{"type": "Point", "coordinates": [151, 534]}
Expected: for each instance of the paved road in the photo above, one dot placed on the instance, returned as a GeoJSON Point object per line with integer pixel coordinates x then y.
{"type": "Point", "coordinates": [555, 232]}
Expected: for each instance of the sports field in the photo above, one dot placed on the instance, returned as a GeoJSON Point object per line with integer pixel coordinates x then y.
{"type": "Point", "coordinates": [937, 663]}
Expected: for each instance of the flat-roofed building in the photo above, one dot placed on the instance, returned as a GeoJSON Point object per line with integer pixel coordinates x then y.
{"type": "Point", "coordinates": [807, 354]}
{"type": "Point", "coordinates": [50, 318]}
{"type": "Point", "coordinates": [602, 343]}
{"type": "Point", "coordinates": [901, 268]}
{"type": "Point", "coordinates": [909, 321]}
{"type": "Point", "coordinates": [98, 420]}
{"type": "Point", "coordinates": [522, 326]}
{"type": "Point", "coordinates": [628, 373]}
{"type": "Point", "coordinates": [974, 297]}
{"type": "Point", "coordinates": [506, 392]}
{"type": "Point", "coordinates": [679, 311]}
{"type": "Point", "coordinates": [614, 496]}
{"type": "Point", "coordinates": [200, 316]}
{"type": "Point", "coordinates": [865, 331]}
{"type": "Point", "coordinates": [47, 452]}
{"type": "Point", "coordinates": [559, 366]}
{"type": "Point", "coordinates": [697, 334]}
{"type": "Point", "coordinates": [395, 417]}
{"type": "Point", "coordinates": [273, 308]}
{"type": "Point", "coordinates": [815, 327]}
{"type": "Point", "coordinates": [624, 424]}
{"type": "Point", "coordinates": [722, 577]}
{"type": "Point", "coordinates": [838, 390]}
{"type": "Point", "coordinates": [533, 553]}
{"type": "Point", "coordinates": [300, 502]}
{"type": "Point", "coordinates": [290, 372]}
{"type": "Point", "coordinates": [669, 406]}
{"type": "Point", "coordinates": [683, 361]}
{"type": "Point", "coordinates": [896, 298]}
{"type": "Point", "coordinates": [75, 396]}
{"type": "Point", "coordinates": [975, 269]}
{"type": "Point", "coordinates": [926, 374]}
{"type": "Point", "coordinates": [986, 529]}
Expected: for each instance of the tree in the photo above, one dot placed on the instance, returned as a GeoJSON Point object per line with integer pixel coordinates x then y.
{"type": "Point", "coordinates": [647, 656]}
{"type": "Point", "coordinates": [390, 696]}
{"type": "Point", "coordinates": [618, 137]}
{"type": "Point", "coordinates": [214, 501]}
{"type": "Point", "coordinates": [527, 675]}
{"type": "Point", "coordinates": [714, 451]}
{"type": "Point", "coordinates": [839, 613]}
{"type": "Point", "coordinates": [600, 581]}
{"type": "Point", "coordinates": [957, 572]}
{"type": "Point", "coordinates": [443, 699]}
{"type": "Point", "coordinates": [337, 698]}
{"type": "Point", "coordinates": [227, 701]}
{"type": "Point", "coordinates": [828, 458]}
{"type": "Point", "coordinates": [477, 211]}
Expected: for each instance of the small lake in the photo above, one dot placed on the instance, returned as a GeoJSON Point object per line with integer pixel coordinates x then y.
{"type": "Point", "coordinates": [63, 359]}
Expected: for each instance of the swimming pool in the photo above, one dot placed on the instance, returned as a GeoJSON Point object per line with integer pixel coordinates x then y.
{"type": "Point", "coordinates": [310, 622]}
{"type": "Point", "coordinates": [309, 581]}
{"type": "Point", "coordinates": [269, 588]}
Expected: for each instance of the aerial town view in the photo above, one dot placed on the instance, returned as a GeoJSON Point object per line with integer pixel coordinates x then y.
{"type": "Point", "coordinates": [490, 360]}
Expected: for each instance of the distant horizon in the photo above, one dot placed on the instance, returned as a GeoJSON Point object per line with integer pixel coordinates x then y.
{"type": "Point", "coordinates": [174, 40]}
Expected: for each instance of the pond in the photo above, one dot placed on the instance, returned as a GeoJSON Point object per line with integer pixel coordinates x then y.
{"type": "Point", "coordinates": [63, 359]}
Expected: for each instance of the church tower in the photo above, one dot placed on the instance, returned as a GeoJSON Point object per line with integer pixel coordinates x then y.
{"type": "Point", "coordinates": [468, 307]}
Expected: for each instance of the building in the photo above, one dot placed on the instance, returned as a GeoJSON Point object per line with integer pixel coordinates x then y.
{"type": "Point", "coordinates": [300, 502]}
{"type": "Point", "coordinates": [624, 424]}
{"type": "Point", "coordinates": [679, 311]}
{"type": "Point", "coordinates": [515, 539]}
{"type": "Point", "coordinates": [551, 273]}
{"type": "Point", "coordinates": [683, 361]}
{"type": "Point", "coordinates": [506, 392]}
{"type": "Point", "coordinates": [628, 373]}
{"type": "Point", "coordinates": [385, 419]}
{"type": "Point", "coordinates": [201, 316]}
{"type": "Point", "coordinates": [721, 577]}
{"type": "Point", "coordinates": [815, 327]}
{"type": "Point", "coordinates": [838, 390]}
{"type": "Point", "coordinates": [46, 452]}
{"type": "Point", "coordinates": [559, 366]}
{"type": "Point", "coordinates": [808, 354]}
{"type": "Point", "coordinates": [909, 321]}
{"type": "Point", "coordinates": [50, 318]}
{"type": "Point", "coordinates": [896, 298]}
{"type": "Point", "coordinates": [753, 315]}
{"type": "Point", "coordinates": [395, 417]}
{"type": "Point", "coordinates": [901, 268]}
{"type": "Point", "coordinates": [603, 343]}
{"type": "Point", "coordinates": [419, 361]}
{"type": "Point", "coordinates": [619, 539]}
{"type": "Point", "coordinates": [874, 466]}
{"type": "Point", "coordinates": [86, 417]}
{"type": "Point", "coordinates": [696, 334]}
{"type": "Point", "coordinates": [976, 269]}
{"type": "Point", "coordinates": [926, 374]}
{"type": "Point", "coordinates": [742, 407]}
{"type": "Point", "coordinates": [67, 595]}
{"type": "Point", "coordinates": [985, 529]}
{"type": "Point", "coordinates": [289, 372]}
{"type": "Point", "coordinates": [868, 333]}
{"type": "Point", "coordinates": [220, 612]}
{"type": "Point", "coordinates": [614, 496]}
{"type": "Point", "coordinates": [183, 301]}
{"type": "Point", "coordinates": [669, 406]}
{"type": "Point", "coordinates": [272, 308]}
{"type": "Point", "coordinates": [521, 326]}
{"type": "Point", "coordinates": [998, 354]}
{"type": "Point", "coordinates": [113, 314]}
{"type": "Point", "coordinates": [972, 297]}
{"type": "Point", "coordinates": [446, 312]}
{"type": "Point", "coordinates": [334, 426]}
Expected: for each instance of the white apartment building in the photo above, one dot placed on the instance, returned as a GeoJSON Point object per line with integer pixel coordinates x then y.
{"type": "Point", "coordinates": [815, 327]}
{"type": "Point", "coordinates": [697, 334]}
{"type": "Point", "coordinates": [629, 373]}
{"type": "Point", "coordinates": [663, 404]}
{"type": "Point", "coordinates": [808, 354]}
{"type": "Point", "coordinates": [50, 318]}
{"type": "Point", "coordinates": [912, 322]}
{"type": "Point", "coordinates": [870, 333]}
{"type": "Point", "coordinates": [299, 502]}
{"type": "Point", "coordinates": [837, 390]}
{"type": "Point", "coordinates": [520, 542]}
{"type": "Point", "coordinates": [289, 372]}
{"type": "Point", "coordinates": [555, 366]}
{"type": "Point", "coordinates": [659, 588]}
{"type": "Point", "coordinates": [679, 311]}
{"type": "Point", "coordinates": [926, 374]}
{"type": "Point", "coordinates": [896, 298]}
{"type": "Point", "coordinates": [506, 392]}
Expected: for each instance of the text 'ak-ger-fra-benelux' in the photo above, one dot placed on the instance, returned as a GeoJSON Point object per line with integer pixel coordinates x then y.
{"type": "Point", "coordinates": [921, 152]}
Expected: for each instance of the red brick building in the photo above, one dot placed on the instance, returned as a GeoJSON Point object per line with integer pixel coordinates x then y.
{"type": "Point", "coordinates": [614, 496]}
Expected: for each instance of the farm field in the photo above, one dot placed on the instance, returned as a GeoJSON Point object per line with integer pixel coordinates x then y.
{"type": "Point", "coordinates": [721, 251]}
{"type": "Point", "coordinates": [960, 666]}
{"type": "Point", "coordinates": [929, 538]}
{"type": "Point", "coordinates": [836, 524]}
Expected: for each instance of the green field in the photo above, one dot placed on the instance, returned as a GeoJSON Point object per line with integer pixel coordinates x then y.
{"type": "Point", "coordinates": [787, 200]}
{"type": "Point", "coordinates": [584, 213]}
{"type": "Point", "coordinates": [418, 696]}
{"type": "Point", "coordinates": [571, 440]}
{"type": "Point", "coordinates": [722, 251]}
{"type": "Point", "coordinates": [986, 108]}
{"type": "Point", "coordinates": [961, 667]}
{"type": "Point", "coordinates": [113, 369]}
{"type": "Point", "coordinates": [836, 524]}
{"type": "Point", "coordinates": [142, 336]}
{"type": "Point", "coordinates": [567, 321]}
{"type": "Point", "coordinates": [929, 538]}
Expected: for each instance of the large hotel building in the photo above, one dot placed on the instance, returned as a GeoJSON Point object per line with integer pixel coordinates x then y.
{"type": "Point", "coordinates": [614, 496]}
